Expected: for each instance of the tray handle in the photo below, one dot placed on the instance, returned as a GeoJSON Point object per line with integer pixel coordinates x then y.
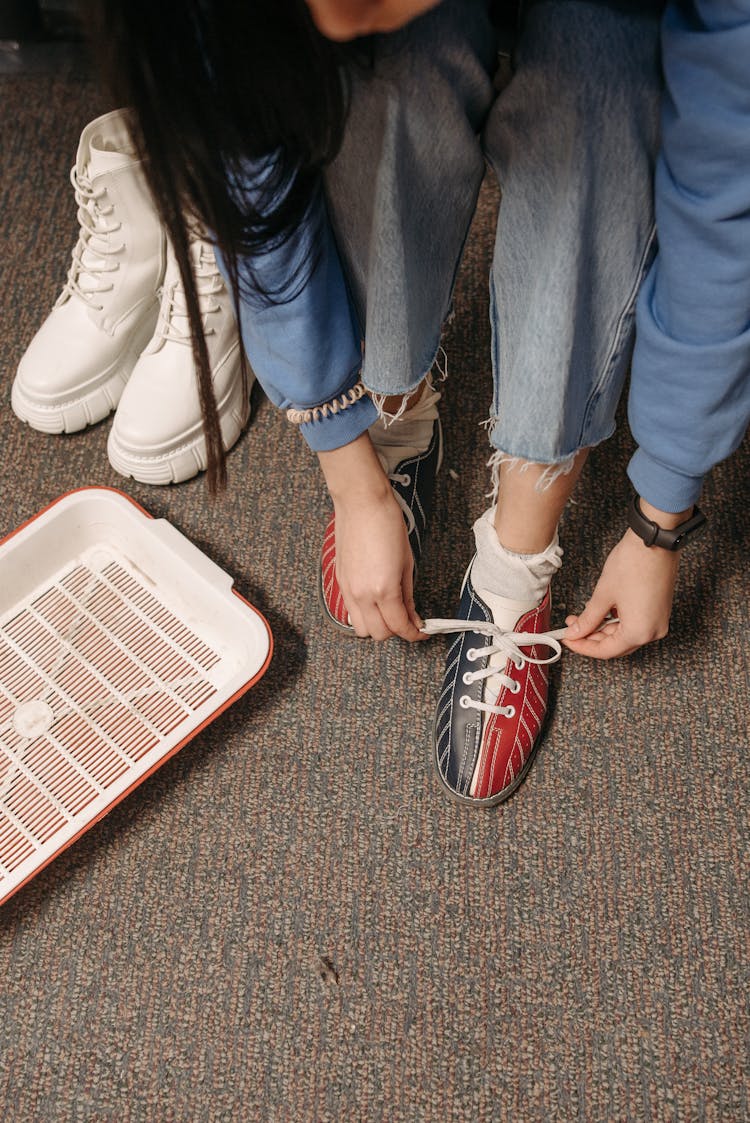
{"type": "Point", "coordinates": [198, 561]}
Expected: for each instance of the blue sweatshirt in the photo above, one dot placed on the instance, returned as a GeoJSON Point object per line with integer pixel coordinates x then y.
{"type": "Point", "coordinates": [689, 401]}
{"type": "Point", "coordinates": [690, 389]}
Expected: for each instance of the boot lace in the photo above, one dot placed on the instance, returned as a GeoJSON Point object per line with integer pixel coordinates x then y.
{"type": "Point", "coordinates": [94, 247]}
{"type": "Point", "coordinates": [174, 323]}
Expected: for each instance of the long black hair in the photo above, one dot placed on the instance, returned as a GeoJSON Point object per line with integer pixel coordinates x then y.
{"type": "Point", "coordinates": [211, 86]}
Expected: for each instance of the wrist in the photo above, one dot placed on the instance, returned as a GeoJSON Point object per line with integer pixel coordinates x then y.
{"type": "Point", "coordinates": [663, 530]}
{"type": "Point", "coordinates": [353, 473]}
{"type": "Point", "coordinates": [667, 520]}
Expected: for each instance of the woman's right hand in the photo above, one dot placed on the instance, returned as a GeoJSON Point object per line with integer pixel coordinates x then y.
{"type": "Point", "coordinates": [374, 562]}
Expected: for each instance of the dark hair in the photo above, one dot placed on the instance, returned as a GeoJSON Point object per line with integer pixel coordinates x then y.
{"type": "Point", "coordinates": [213, 85]}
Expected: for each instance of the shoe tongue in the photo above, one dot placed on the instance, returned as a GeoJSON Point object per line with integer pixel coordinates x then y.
{"type": "Point", "coordinates": [505, 612]}
{"type": "Point", "coordinates": [409, 435]}
{"type": "Point", "coordinates": [105, 146]}
{"type": "Point", "coordinates": [106, 159]}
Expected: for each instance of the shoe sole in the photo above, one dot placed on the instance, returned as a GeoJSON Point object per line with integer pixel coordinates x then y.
{"type": "Point", "coordinates": [506, 793]}
{"type": "Point", "coordinates": [343, 629]}
{"type": "Point", "coordinates": [78, 413]}
{"type": "Point", "coordinates": [71, 417]}
{"type": "Point", "coordinates": [189, 459]}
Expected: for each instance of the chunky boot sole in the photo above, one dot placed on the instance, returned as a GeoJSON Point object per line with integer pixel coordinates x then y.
{"type": "Point", "coordinates": [76, 413]}
{"type": "Point", "coordinates": [185, 456]}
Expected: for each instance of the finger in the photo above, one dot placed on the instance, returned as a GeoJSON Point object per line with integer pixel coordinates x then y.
{"type": "Point", "coordinates": [398, 619]}
{"type": "Point", "coordinates": [356, 620]}
{"type": "Point", "coordinates": [365, 618]}
{"type": "Point", "coordinates": [608, 629]}
{"type": "Point", "coordinates": [592, 616]}
{"type": "Point", "coordinates": [377, 626]}
{"type": "Point", "coordinates": [610, 622]}
{"type": "Point", "coordinates": [610, 643]}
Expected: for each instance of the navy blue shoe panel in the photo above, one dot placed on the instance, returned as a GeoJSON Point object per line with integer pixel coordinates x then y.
{"type": "Point", "coordinates": [458, 731]}
{"type": "Point", "coordinates": [419, 493]}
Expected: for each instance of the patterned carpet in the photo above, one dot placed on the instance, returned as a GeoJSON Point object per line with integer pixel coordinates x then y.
{"type": "Point", "coordinates": [289, 921]}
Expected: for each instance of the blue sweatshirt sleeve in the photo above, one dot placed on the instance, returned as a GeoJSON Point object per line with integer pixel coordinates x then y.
{"type": "Point", "coordinates": [689, 401]}
{"type": "Point", "coordinates": [305, 350]}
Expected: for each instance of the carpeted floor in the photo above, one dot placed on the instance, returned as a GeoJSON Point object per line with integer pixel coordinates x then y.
{"type": "Point", "coordinates": [289, 921]}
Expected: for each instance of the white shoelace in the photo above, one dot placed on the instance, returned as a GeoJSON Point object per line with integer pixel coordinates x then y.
{"type": "Point", "coordinates": [208, 282]}
{"type": "Point", "coordinates": [505, 643]}
{"type": "Point", "coordinates": [93, 246]}
{"type": "Point", "coordinates": [404, 479]}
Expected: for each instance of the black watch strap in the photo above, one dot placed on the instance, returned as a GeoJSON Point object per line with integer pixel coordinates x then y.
{"type": "Point", "coordinates": [655, 535]}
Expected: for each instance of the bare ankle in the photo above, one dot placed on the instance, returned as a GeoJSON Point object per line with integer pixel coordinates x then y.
{"type": "Point", "coordinates": [530, 502]}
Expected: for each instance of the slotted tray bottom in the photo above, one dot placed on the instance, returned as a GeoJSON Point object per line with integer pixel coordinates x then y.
{"type": "Point", "coordinates": [100, 681]}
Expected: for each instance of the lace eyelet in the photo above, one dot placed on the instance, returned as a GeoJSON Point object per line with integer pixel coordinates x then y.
{"type": "Point", "coordinates": [509, 711]}
{"type": "Point", "coordinates": [464, 701]}
{"type": "Point", "coordinates": [466, 678]}
{"type": "Point", "coordinates": [516, 687]}
{"type": "Point", "coordinates": [518, 664]}
{"type": "Point", "coordinates": [472, 654]}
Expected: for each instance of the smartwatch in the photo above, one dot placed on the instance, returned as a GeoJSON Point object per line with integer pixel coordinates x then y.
{"type": "Point", "coordinates": [655, 535]}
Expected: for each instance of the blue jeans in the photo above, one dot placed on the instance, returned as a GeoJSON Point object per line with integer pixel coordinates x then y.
{"type": "Point", "coordinates": [572, 139]}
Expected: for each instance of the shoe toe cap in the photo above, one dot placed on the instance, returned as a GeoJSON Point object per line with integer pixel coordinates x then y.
{"type": "Point", "coordinates": [67, 357]}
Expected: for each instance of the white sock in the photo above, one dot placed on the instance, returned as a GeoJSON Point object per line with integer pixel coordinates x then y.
{"type": "Point", "coordinates": [408, 435]}
{"type": "Point", "coordinates": [510, 583]}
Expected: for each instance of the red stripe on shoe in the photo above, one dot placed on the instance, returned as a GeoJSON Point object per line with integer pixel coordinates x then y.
{"type": "Point", "coordinates": [332, 596]}
{"type": "Point", "coordinates": [507, 742]}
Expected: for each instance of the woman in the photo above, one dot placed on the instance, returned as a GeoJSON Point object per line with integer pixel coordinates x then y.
{"type": "Point", "coordinates": [243, 108]}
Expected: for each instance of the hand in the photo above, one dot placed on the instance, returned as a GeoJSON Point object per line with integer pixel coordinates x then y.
{"type": "Point", "coordinates": [374, 562]}
{"type": "Point", "coordinates": [636, 585]}
{"type": "Point", "coordinates": [375, 569]}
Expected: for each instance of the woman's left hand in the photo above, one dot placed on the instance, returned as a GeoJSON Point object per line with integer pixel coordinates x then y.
{"type": "Point", "coordinates": [636, 586]}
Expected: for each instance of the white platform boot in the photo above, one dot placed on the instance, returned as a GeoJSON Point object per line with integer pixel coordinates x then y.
{"type": "Point", "coordinates": [157, 434]}
{"type": "Point", "coordinates": [78, 363]}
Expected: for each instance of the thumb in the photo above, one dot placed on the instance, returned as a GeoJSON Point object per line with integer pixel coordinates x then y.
{"type": "Point", "coordinates": [592, 616]}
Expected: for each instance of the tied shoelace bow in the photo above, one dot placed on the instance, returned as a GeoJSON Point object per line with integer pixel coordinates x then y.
{"type": "Point", "coordinates": [93, 246]}
{"type": "Point", "coordinates": [208, 283]}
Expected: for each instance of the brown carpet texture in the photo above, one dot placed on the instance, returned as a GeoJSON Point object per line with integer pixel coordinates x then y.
{"type": "Point", "coordinates": [289, 921]}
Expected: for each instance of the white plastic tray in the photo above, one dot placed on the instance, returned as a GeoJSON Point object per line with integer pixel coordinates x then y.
{"type": "Point", "coordinates": [119, 641]}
